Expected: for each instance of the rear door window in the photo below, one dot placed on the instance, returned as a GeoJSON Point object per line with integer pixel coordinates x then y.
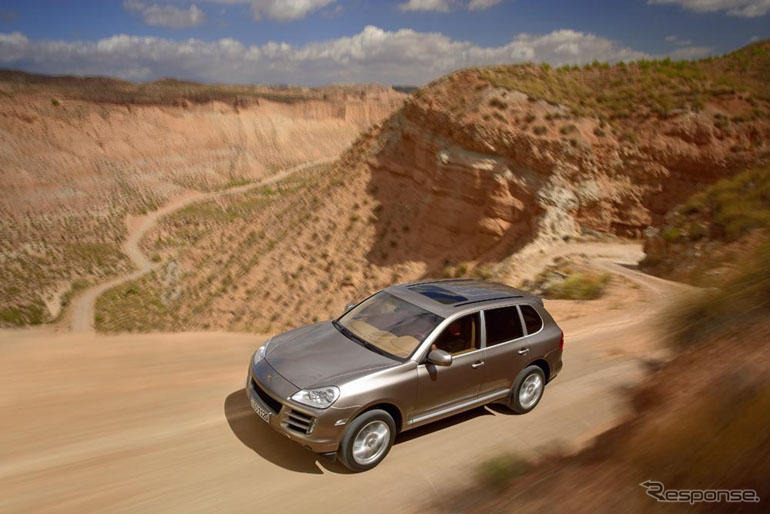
{"type": "Point", "coordinates": [502, 325]}
{"type": "Point", "coordinates": [531, 319]}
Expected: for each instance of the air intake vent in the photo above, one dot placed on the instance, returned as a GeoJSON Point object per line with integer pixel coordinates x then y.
{"type": "Point", "coordinates": [300, 422]}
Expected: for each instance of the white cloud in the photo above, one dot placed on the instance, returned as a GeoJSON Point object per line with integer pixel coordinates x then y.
{"type": "Point", "coordinates": [690, 52]}
{"type": "Point", "coordinates": [286, 10]}
{"type": "Point", "coordinates": [280, 10]}
{"type": "Point", "coordinates": [447, 5]}
{"type": "Point", "coordinates": [166, 15]}
{"type": "Point", "coordinates": [373, 55]}
{"type": "Point", "coordinates": [743, 8]}
{"type": "Point", "coordinates": [427, 5]}
{"type": "Point", "coordinates": [675, 40]}
{"type": "Point", "coordinates": [477, 5]}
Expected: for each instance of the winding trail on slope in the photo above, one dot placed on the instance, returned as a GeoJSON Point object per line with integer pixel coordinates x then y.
{"type": "Point", "coordinates": [82, 307]}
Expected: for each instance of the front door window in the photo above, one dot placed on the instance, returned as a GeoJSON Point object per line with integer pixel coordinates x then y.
{"type": "Point", "coordinates": [461, 336]}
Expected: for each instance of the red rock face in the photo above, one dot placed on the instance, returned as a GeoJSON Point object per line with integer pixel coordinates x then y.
{"type": "Point", "coordinates": [475, 182]}
{"type": "Point", "coordinates": [456, 202]}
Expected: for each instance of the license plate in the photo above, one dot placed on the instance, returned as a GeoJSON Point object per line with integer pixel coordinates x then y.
{"type": "Point", "coordinates": [261, 412]}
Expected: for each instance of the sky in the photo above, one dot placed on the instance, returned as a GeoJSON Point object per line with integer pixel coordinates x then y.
{"type": "Point", "coordinates": [315, 42]}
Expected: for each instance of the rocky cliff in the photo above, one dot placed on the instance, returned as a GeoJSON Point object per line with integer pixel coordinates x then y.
{"type": "Point", "coordinates": [479, 173]}
{"type": "Point", "coordinates": [495, 157]}
{"type": "Point", "coordinates": [78, 155]}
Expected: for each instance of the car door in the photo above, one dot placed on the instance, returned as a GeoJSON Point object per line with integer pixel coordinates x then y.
{"type": "Point", "coordinates": [506, 350]}
{"type": "Point", "coordinates": [442, 389]}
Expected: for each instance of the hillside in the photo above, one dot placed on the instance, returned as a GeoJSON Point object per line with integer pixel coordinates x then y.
{"type": "Point", "coordinates": [697, 422]}
{"type": "Point", "coordinates": [80, 154]}
{"type": "Point", "coordinates": [480, 172]}
{"type": "Point", "coordinates": [704, 239]}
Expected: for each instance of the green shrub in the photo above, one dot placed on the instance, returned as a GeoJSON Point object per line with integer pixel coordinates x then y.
{"type": "Point", "coordinates": [721, 121]}
{"type": "Point", "coordinates": [696, 231]}
{"type": "Point", "coordinates": [672, 234]}
{"type": "Point", "coordinates": [29, 314]}
{"type": "Point", "coordinates": [539, 130]}
{"type": "Point", "coordinates": [734, 206]}
{"type": "Point", "coordinates": [484, 272]}
{"type": "Point", "coordinates": [498, 471]}
{"type": "Point", "coordinates": [498, 104]}
{"type": "Point", "coordinates": [579, 286]}
{"type": "Point", "coordinates": [629, 137]}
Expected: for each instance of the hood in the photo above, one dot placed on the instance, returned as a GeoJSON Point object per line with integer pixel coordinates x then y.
{"type": "Point", "coordinates": [319, 355]}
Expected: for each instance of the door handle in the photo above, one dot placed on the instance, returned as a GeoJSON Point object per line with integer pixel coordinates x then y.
{"type": "Point", "coordinates": [523, 351]}
{"type": "Point", "coordinates": [477, 364]}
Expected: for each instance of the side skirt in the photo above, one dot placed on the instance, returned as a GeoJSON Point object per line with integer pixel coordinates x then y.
{"type": "Point", "coordinates": [422, 419]}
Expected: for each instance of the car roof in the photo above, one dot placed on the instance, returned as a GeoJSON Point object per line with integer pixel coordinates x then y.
{"type": "Point", "coordinates": [449, 296]}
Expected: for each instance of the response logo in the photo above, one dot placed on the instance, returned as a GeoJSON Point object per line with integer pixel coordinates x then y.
{"type": "Point", "coordinates": [659, 492]}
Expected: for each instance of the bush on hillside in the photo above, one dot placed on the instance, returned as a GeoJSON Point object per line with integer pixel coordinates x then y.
{"type": "Point", "coordinates": [742, 299]}
{"type": "Point", "coordinates": [733, 206]}
{"type": "Point", "coordinates": [578, 286]}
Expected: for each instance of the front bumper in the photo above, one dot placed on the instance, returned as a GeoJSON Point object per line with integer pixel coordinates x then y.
{"type": "Point", "coordinates": [315, 429]}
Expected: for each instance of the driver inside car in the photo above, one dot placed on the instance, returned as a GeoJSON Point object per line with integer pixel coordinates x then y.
{"type": "Point", "coordinates": [453, 340]}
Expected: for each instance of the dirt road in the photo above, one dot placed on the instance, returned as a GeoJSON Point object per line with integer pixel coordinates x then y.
{"type": "Point", "coordinates": [158, 423]}
{"type": "Point", "coordinates": [81, 310]}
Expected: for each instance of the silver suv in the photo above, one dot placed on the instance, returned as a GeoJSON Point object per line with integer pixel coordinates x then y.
{"type": "Point", "coordinates": [406, 356]}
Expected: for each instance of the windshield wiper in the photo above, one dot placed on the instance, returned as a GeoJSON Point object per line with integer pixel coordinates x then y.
{"type": "Point", "coordinates": [363, 342]}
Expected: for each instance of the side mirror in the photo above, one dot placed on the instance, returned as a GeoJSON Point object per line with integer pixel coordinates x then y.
{"type": "Point", "coordinates": [349, 306]}
{"type": "Point", "coordinates": [440, 358]}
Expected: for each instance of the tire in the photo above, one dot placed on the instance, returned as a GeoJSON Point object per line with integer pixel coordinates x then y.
{"type": "Point", "coordinates": [527, 390]}
{"type": "Point", "coordinates": [367, 440]}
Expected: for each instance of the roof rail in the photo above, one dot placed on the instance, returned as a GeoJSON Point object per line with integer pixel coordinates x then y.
{"type": "Point", "coordinates": [438, 280]}
{"type": "Point", "coordinates": [507, 297]}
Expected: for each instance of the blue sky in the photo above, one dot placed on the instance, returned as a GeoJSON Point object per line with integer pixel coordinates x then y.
{"type": "Point", "coordinates": [322, 41]}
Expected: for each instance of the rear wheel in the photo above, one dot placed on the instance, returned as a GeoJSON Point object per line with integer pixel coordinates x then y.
{"type": "Point", "coordinates": [527, 390]}
{"type": "Point", "coordinates": [367, 440]}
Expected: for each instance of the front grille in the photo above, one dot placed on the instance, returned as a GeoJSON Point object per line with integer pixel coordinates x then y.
{"type": "Point", "coordinates": [300, 422]}
{"type": "Point", "coordinates": [272, 403]}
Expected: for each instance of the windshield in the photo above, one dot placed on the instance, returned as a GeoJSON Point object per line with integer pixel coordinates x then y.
{"type": "Point", "coordinates": [390, 324]}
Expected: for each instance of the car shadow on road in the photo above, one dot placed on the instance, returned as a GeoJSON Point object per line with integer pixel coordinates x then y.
{"type": "Point", "coordinates": [269, 444]}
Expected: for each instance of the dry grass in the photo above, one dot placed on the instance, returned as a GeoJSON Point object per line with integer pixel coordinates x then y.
{"type": "Point", "coordinates": [708, 234]}
{"type": "Point", "coordinates": [251, 224]}
{"type": "Point", "coordinates": [74, 169]}
{"type": "Point", "coordinates": [642, 88]}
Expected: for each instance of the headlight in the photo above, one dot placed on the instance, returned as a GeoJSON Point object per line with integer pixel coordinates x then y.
{"type": "Point", "coordinates": [260, 354]}
{"type": "Point", "coordinates": [320, 398]}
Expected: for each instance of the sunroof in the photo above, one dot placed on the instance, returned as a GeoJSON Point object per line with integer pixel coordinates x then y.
{"type": "Point", "coordinates": [438, 294]}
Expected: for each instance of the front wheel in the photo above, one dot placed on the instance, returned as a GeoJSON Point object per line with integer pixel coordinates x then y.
{"type": "Point", "coordinates": [527, 390]}
{"type": "Point", "coordinates": [367, 440]}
